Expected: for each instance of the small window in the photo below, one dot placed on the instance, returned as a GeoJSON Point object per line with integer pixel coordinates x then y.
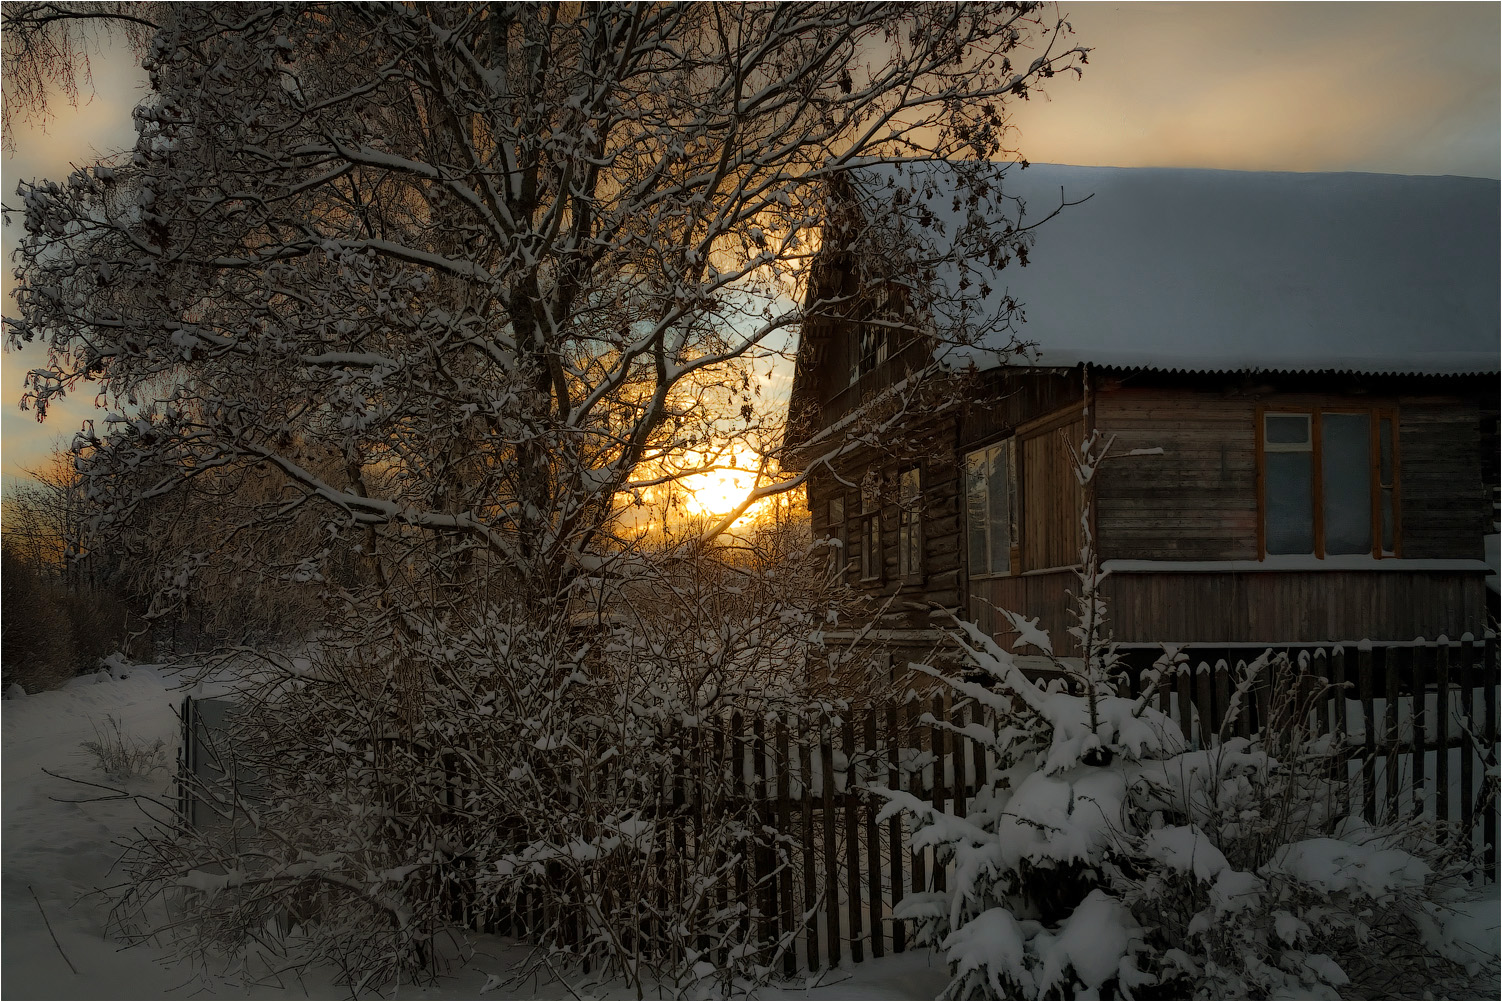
{"type": "Point", "coordinates": [991, 508]}
{"type": "Point", "coordinates": [909, 525]}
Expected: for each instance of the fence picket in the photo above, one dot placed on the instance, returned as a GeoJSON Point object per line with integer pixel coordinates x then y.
{"type": "Point", "coordinates": [1368, 734]}
{"type": "Point", "coordinates": [894, 825]}
{"type": "Point", "coordinates": [852, 840]}
{"type": "Point", "coordinates": [1222, 682]}
{"type": "Point", "coordinates": [786, 922]}
{"type": "Point", "coordinates": [957, 749]}
{"type": "Point", "coordinates": [810, 875]}
{"type": "Point", "coordinates": [1442, 736]}
{"type": "Point", "coordinates": [1489, 735]}
{"type": "Point", "coordinates": [873, 845]}
{"type": "Point", "coordinates": [1467, 680]}
{"type": "Point", "coordinates": [1205, 703]}
{"type": "Point", "coordinates": [831, 861]}
{"type": "Point", "coordinates": [762, 879]}
{"type": "Point", "coordinates": [936, 735]}
{"type": "Point", "coordinates": [1393, 735]}
{"type": "Point", "coordinates": [1420, 720]}
{"type": "Point", "coordinates": [1185, 685]}
{"type": "Point", "coordinates": [915, 787]}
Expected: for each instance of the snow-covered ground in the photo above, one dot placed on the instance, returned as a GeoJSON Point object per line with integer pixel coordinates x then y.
{"type": "Point", "coordinates": [59, 848]}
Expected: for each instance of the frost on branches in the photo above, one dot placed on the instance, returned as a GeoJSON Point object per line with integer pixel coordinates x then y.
{"type": "Point", "coordinates": [1106, 857]}
{"type": "Point", "coordinates": [444, 288]}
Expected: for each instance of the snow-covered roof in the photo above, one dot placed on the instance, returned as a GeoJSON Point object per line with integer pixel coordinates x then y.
{"type": "Point", "coordinates": [1209, 270]}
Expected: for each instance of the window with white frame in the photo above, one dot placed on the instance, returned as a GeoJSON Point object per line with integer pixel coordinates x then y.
{"type": "Point", "coordinates": [1329, 482]}
{"type": "Point", "coordinates": [991, 508]}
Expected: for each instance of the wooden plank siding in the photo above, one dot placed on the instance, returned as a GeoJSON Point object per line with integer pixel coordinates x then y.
{"type": "Point", "coordinates": [1050, 496]}
{"type": "Point", "coordinates": [1440, 479]}
{"type": "Point", "coordinates": [1196, 501]}
{"type": "Point", "coordinates": [1246, 607]}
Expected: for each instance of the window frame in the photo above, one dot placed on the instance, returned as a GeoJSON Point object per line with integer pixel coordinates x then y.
{"type": "Point", "coordinates": [1376, 414]}
{"type": "Point", "coordinates": [1012, 443]}
{"type": "Point", "coordinates": [839, 557]}
{"type": "Point", "coordinates": [871, 559]}
{"type": "Point", "coordinates": [910, 535]}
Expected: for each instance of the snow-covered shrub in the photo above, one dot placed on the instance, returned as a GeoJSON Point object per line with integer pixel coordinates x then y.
{"type": "Point", "coordinates": [121, 756]}
{"type": "Point", "coordinates": [496, 771]}
{"type": "Point", "coordinates": [1104, 856]}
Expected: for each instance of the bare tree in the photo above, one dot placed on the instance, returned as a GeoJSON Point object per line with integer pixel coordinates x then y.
{"type": "Point", "coordinates": [461, 277]}
{"type": "Point", "coordinates": [47, 49]}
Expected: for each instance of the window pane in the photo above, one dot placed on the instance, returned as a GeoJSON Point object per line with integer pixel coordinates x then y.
{"type": "Point", "coordinates": [1347, 448]}
{"type": "Point", "coordinates": [989, 493]}
{"type": "Point", "coordinates": [1290, 502]}
{"type": "Point", "coordinates": [1287, 429]}
{"type": "Point", "coordinates": [908, 488]}
{"type": "Point", "coordinates": [1000, 512]}
{"type": "Point", "coordinates": [1387, 521]}
{"type": "Point", "coordinates": [975, 511]}
{"type": "Point", "coordinates": [836, 511]}
{"type": "Point", "coordinates": [1386, 448]}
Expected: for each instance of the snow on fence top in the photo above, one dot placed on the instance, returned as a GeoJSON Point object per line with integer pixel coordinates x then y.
{"type": "Point", "coordinates": [1209, 270]}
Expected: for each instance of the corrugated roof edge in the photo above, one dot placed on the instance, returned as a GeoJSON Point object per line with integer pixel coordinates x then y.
{"type": "Point", "coordinates": [1449, 364]}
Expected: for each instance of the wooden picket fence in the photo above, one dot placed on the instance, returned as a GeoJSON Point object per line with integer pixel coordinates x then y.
{"type": "Point", "coordinates": [817, 874]}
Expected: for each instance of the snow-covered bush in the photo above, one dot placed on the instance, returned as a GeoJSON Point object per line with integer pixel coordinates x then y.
{"type": "Point", "coordinates": [1104, 856]}
{"type": "Point", "coordinates": [558, 782]}
{"type": "Point", "coordinates": [121, 756]}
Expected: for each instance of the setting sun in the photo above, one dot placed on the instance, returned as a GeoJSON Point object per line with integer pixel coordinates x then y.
{"type": "Point", "coordinates": [716, 492]}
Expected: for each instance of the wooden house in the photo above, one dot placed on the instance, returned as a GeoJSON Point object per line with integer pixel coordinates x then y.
{"type": "Point", "coordinates": [1300, 373]}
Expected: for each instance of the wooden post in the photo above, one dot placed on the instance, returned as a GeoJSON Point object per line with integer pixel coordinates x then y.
{"type": "Point", "coordinates": [873, 846]}
{"type": "Point", "coordinates": [915, 787]}
{"type": "Point", "coordinates": [1369, 744]}
{"type": "Point", "coordinates": [937, 736]}
{"type": "Point", "coordinates": [1442, 735]}
{"type": "Point", "coordinates": [894, 826]}
{"type": "Point", "coordinates": [810, 877]}
{"type": "Point", "coordinates": [1420, 722]}
{"type": "Point", "coordinates": [831, 861]}
{"type": "Point", "coordinates": [852, 840]}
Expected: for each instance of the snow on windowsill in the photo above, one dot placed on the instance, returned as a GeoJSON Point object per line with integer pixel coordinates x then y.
{"type": "Point", "coordinates": [1292, 562]}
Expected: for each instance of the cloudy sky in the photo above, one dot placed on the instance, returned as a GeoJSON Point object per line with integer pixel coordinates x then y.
{"type": "Point", "coordinates": [1405, 88]}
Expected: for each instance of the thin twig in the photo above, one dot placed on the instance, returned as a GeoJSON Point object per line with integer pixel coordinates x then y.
{"type": "Point", "coordinates": [48, 923]}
